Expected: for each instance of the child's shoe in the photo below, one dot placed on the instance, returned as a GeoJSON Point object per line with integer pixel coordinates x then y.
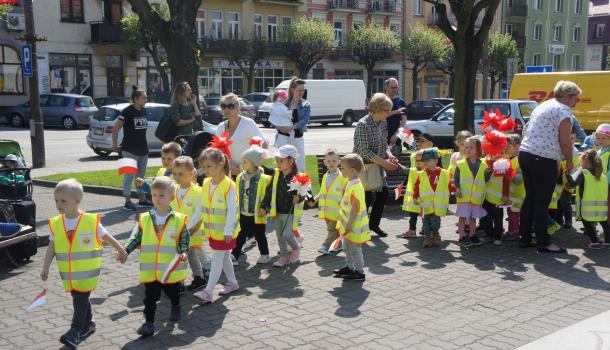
{"type": "Point", "coordinates": [146, 204]}
{"type": "Point", "coordinates": [475, 241]}
{"type": "Point", "coordinates": [89, 329]}
{"type": "Point", "coordinates": [203, 296]}
{"type": "Point", "coordinates": [71, 338]}
{"type": "Point", "coordinates": [592, 245]}
{"type": "Point", "coordinates": [436, 240]}
{"type": "Point", "coordinates": [294, 255]}
{"type": "Point", "coordinates": [344, 271]}
{"type": "Point", "coordinates": [130, 206]}
{"type": "Point", "coordinates": [229, 288]}
{"type": "Point", "coordinates": [428, 242]}
{"type": "Point", "coordinates": [283, 260]}
{"type": "Point", "coordinates": [198, 283]}
{"type": "Point", "coordinates": [465, 242]}
{"type": "Point", "coordinates": [324, 250]}
{"type": "Point", "coordinates": [147, 329]}
{"type": "Point", "coordinates": [263, 259]}
{"type": "Point", "coordinates": [408, 234]}
{"type": "Point", "coordinates": [176, 314]}
{"type": "Point", "coordinates": [354, 276]}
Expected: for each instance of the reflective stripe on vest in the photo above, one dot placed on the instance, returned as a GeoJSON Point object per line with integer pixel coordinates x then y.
{"type": "Point", "coordinates": [188, 206]}
{"type": "Point", "coordinates": [359, 233]}
{"type": "Point", "coordinates": [158, 250]}
{"type": "Point", "coordinates": [593, 206]}
{"type": "Point", "coordinates": [471, 186]}
{"type": "Point", "coordinates": [214, 208]}
{"type": "Point", "coordinates": [330, 197]}
{"type": "Point", "coordinates": [434, 201]}
{"type": "Point", "coordinates": [79, 258]}
{"type": "Point", "coordinates": [261, 189]}
{"type": "Point", "coordinates": [298, 208]}
{"type": "Point", "coordinates": [493, 190]}
{"type": "Point", "coordinates": [516, 192]}
{"type": "Point", "coordinates": [407, 203]}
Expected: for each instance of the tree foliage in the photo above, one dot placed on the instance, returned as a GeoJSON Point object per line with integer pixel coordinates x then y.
{"type": "Point", "coordinates": [502, 47]}
{"type": "Point", "coordinates": [420, 46]}
{"type": "Point", "coordinates": [5, 9]}
{"type": "Point", "coordinates": [370, 44]}
{"type": "Point", "coordinates": [447, 65]}
{"type": "Point", "coordinates": [306, 42]}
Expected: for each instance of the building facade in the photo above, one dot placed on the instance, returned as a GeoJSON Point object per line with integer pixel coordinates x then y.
{"type": "Point", "coordinates": [598, 38]}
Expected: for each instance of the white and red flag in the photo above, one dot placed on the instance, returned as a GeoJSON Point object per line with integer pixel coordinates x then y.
{"type": "Point", "coordinates": [398, 192]}
{"type": "Point", "coordinates": [40, 300]}
{"type": "Point", "coordinates": [128, 166]}
{"type": "Point", "coordinates": [176, 261]}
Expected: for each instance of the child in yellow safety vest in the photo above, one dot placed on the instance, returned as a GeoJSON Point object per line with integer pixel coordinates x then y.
{"type": "Point", "coordinates": [186, 201]}
{"type": "Point", "coordinates": [353, 222]}
{"type": "Point", "coordinates": [329, 198]}
{"type": "Point", "coordinates": [563, 215]}
{"type": "Point", "coordinates": [220, 220]}
{"type": "Point", "coordinates": [163, 238]}
{"type": "Point", "coordinates": [469, 178]}
{"type": "Point", "coordinates": [516, 192]}
{"type": "Point", "coordinates": [460, 138]}
{"type": "Point", "coordinates": [431, 191]}
{"type": "Point", "coordinates": [591, 197]}
{"type": "Point", "coordinates": [169, 152]}
{"type": "Point", "coordinates": [76, 242]}
{"type": "Point", "coordinates": [252, 184]}
{"type": "Point", "coordinates": [408, 204]}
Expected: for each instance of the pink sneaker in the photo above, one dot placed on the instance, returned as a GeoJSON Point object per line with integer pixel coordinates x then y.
{"type": "Point", "coordinates": [409, 234]}
{"type": "Point", "coordinates": [229, 288]}
{"type": "Point", "coordinates": [203, 296]}
{"type": "Point", "coordinates": [294, 255]}
{"type": "Point", "coordinates": [283, 260]}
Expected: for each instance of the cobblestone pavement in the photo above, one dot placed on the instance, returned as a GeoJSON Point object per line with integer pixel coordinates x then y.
{"type": "Point", "coordinates": [484, 298]}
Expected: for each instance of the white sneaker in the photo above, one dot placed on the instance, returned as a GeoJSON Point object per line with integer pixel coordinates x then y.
{"type": "Point", "coordinates": [324, 250]}
{"type": "Point", "coordinates": [251, 242]}
{"type": "Point", "coordinates": [263, 259]}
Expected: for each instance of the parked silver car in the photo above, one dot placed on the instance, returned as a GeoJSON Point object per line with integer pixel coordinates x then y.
{"type": "Point", "coordinates": [67, 110]}
{"type": "Point", "coordinates": [257, 98]}
{"type": "Point", "coordinates": [99, 138]}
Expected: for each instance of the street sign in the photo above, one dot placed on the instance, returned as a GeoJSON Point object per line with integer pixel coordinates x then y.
{"type": "Point", "coordinates": [26, 59]}
{"type": "Point", "coordinates": [539, 69]}
{"type": "Point", "coordinates": [512, 66]}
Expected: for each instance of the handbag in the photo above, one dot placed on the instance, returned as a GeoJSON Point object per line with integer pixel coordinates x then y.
{"type": "Point", "coordinates": [166, 129]}
{"type": "Point", "coordinates": [371, 177]}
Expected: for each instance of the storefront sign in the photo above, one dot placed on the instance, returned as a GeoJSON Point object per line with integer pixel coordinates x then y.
{"type": "Point", "coordinates": [264, 64]}
{"type": "Point", "coordinates": [434, 79]}
{"type": "Point", "coordinates": [557, 49]}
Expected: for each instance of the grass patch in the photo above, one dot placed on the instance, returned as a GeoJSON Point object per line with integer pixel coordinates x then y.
{"type": "Point", "coordinates": [110, 178]}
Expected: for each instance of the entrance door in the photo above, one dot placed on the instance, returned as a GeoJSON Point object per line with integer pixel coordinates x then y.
{"type": "Point", "coordinates": [114, 76]}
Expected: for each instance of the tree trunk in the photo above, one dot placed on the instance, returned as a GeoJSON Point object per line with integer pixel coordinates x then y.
{"type": "Point", "coordinates": [414, 77]}
{"type": "Point", "coordinates": [250, 86]}
{"type": "Point", "coordinates": [492, 88]}
{"type": "Point", "coordinates": [467, 57]}
{"type": "Point", "coordinates": [302, 71]}
{"type": "Point", "coordinates": [162, 71]}
{"type": "Point", "coordinates": [451, 85]}
{"type": "Point", "coordinates": [369, 81]}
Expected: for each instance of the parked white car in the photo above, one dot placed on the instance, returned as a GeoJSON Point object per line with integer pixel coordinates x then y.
{"type": "Point", "coordinates": [440, 126]}
{"type": "Point", "coordinates": [99, 138]}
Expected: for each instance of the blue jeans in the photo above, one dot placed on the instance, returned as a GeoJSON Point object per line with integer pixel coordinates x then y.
{"type": "Point", "coordinates": [128, 178]}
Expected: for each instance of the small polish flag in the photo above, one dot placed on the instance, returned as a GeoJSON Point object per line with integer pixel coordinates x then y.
{"type": "Point", "coordinates": [398, 192]}
{"type": "Point", "coordinates": [128, 166]}
{"type": "Point", "coordinates": [176, 261]}
{"type": "Point", "coordinates": [335, 245]}
{"type": "Point", "coordinates": [40, 300]}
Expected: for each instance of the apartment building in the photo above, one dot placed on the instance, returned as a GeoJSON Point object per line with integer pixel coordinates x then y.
{"type": "Point", "coordinates": [598, 38]}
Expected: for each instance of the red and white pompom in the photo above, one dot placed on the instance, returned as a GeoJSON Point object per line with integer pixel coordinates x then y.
{"type": "Point", "coordinates": [301, 183]}
{"type": "Point", "coordinates": [256, 141]}
{"type": "Point", "coordinates": [501, 166]}
{"type": "Point", "coordinates": [495, 143]}
{"type": "Point", "coordinates": [222, 143]}
{"type": "Point", "coordinates": [406, 136]}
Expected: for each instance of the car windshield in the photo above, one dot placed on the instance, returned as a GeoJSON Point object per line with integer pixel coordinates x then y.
{"type": "Point", "coordinates": [447, 114]}
{"type": "Point", "coordinates": [526, 109]}
{"type": "Point", "coordinates": [245, 102]}
{"type": "Point", "coordinates": [85, 102]}
{"type": "Point", "coordinates": [106, 114]}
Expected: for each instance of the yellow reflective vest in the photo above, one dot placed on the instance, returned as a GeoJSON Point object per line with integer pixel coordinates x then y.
{"type": "Point", "coordinates": [261, 189]}
{"type": "Point", "coordinates": [434, 201]}
{"type": "Point", "coordinates": [187, 206]}
{"type": "Point", "coordinates": [516, 192]}
{"type": "Point", "coordinates": [604, 158]}
{"type": "Point", "coordinates": [161, 172]}
{"type": "Point", "coordinates": [79, 257]}
{"type": "Point", "coordinates": [407, 203]}
{"type": "Point", "coordinates": [298, 208]}
{"type": "Point", "coordinates": [157, 249]}
{"type": "Point", "coordinates": [329, 197]}
{"type": "Point", "coordinates": [472, 186]}
{"type": "Point", "coordinates": [493, 190]}
{"type": "Point", "coordinates": [593, 204]}
{"type": "Point", "coordinates": [214, 209]}
{"type": "Point", "coordinates": [359, 234]}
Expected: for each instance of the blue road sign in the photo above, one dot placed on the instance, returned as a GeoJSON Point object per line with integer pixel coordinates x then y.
{"type": "Point", "coordinates": [26, 59]}
{"type": "Point", "coordinates": [538, 69]}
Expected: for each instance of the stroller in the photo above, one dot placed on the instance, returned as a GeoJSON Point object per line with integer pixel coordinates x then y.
{"type": "Point", "coordinates": [18, 239]}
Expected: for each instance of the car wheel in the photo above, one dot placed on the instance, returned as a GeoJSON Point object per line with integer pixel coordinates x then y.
{"type": "Point", "coordinates": [16, 120]}
{"type": "Point", "coordinates": [68, 123]}
{"type": "Point", "coordinates": [101, 153]}
{"type": "Point", "coordinates": [324, 123]}
{"type": "Point", "coordinates": [348, 119]}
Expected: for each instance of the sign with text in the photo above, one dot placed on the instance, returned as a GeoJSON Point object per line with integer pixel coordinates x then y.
{"type": "Point", "coordinates": [263, 64]}
{"type": "Point", "coordinates": [26, 59]}
{"type": "Point", "coordinates": [557, 49]}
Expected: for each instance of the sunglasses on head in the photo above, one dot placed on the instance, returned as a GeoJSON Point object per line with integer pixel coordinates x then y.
{"type": "Point", "coordinates": [227, 106]}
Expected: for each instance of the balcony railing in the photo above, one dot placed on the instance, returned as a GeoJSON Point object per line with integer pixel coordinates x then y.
{"type": "Point", "coordinates": [517, 9]}
{"type": "Point", "coordinates": [344, 4]}
{"type": "Point", "coordinates": [105, 33]}
{"type": "Point", "coordinates": [383, 6]}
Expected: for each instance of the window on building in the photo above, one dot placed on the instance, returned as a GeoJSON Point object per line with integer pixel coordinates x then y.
{"type": "Point", "coordinates": [538, 5]}
{"type": "Point", "coordinates": [557, 62]}
{"type": "Point", "coordinates": [537, 31]}
{"type": "Point", "coordinates": [357, 25]}
{"type": "Point", "coordinates": [201, 25]}
{"type": "Point", "coordinates": [599, 30]}
{"type": "Point", "coordinates": [216, 29]}
{"type": "Point", "coordinates": [338, 28]}
{"type": "Point", "coordinates": [233, 25]}
{"type": "Point", "coordinates": [557, 29]}
{"type": "Point", "coordinates": [576, 34]}
{"type": "Point", "coordinates": [348, 74]}
{"type": "Point", "coordinates": [272, 28]}
{"type": "Point", "coordinates": [70, 73]}
{"type": "Point", "coordinates": [558, 5]}
{"type": "Point", "coordinates": [577, 7]}
{"type": "Point", "coordinates": [418, 8]}
{"type": "Point", "coordinates": [576, 62]}
{"type": "Point", "coordinates": [10, 72]}
{"type": "Point", "coordinates": [509, 3]}
{"type": "Point", "coordinates": [71, 11]}
{"type": "Point", "coordinates": [258, 26]}
{"type": "Point", "coordinates": [396, 29]}
{"type": "Point", "coordinates": [536, 59]}
{"type": "Point", "coordinates": [286, 22]}
{"type": "Point", "coordinates": [268, 79]}
{"type": "Point", "coordinates": [508, 29]}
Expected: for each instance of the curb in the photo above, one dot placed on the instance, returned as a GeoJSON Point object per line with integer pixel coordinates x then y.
{"type": "Point", "coordinates": [103, 190]}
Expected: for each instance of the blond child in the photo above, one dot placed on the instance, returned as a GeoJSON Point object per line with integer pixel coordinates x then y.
{"type": "Point", "coordinates": [76, 242]}
{"type": "Point", "coordinates": [220, 220]}
{"type": "Point", "coordinates": [331, 191]}
{"type": "Point", "coordinates": [460, 138]}
{"type": "Point", "coordinates": [516, 189]}
{"type": "Point", "coordinates": [353, 222]}
{"type": "Point", "coordinates": [169, 152]}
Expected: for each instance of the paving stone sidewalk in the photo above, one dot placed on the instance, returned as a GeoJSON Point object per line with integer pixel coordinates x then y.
{"type": "Point", "coordinates": [414, 298]}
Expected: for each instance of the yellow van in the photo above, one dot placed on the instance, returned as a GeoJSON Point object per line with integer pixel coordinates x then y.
{"type": "Point", "coordinates": [593, 106]}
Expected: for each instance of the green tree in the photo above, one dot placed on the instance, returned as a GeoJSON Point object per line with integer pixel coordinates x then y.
{"type": "Point", "coordinates": [473, 20]}
{"type": "Point", "coordinates": [5, 9]}
{"type": "Point", "coordinates": [137, 36]}
{"type": "Point", "coordinates": [447, 65]}
{"type": "Point", "coordinates": [306, 42]}
{"type": "Point", "coordinates": [246, 54]}
{"type": "Point", "coordinates": [421, 46]}
{"type": "Point", "coordinates": [177, 34]}
{"type": "Point", "coordinates": [502, 47]}
{"type": "Point", "coordinates": [371, 44]}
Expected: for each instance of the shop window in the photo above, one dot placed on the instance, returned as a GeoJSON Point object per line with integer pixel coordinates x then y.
{"type": "Point", "coordinates": [11, 77]}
